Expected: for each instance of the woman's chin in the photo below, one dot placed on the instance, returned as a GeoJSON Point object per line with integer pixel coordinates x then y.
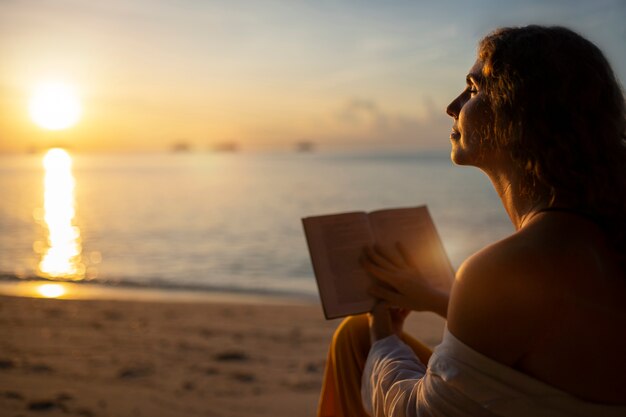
{"type": "Point", "coordinates": [463, 153]}
{"type": "Point", "coordinates": [458, 156]}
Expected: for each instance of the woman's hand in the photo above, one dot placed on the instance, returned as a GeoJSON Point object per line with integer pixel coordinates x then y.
{"type": "Point", "coordinates": [400, 282]}
{"type": "Point", "coordinates": [385, 321]}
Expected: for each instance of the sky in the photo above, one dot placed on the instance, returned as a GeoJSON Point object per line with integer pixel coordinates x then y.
{"type": "Point", "coordinates": [265, 74]}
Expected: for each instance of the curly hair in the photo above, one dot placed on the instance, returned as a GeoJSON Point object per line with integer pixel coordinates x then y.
{"type": "Point", "coordinates": [559, 110]}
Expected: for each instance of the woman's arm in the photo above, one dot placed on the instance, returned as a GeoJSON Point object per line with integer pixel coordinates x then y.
{"type": "Point", "coordinates": [392, 371]}
{"type": "Point", "coordinates": [392, 380]}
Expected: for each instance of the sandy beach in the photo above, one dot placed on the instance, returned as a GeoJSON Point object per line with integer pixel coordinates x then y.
{"type": "Point", "coordinates": [154, 358]}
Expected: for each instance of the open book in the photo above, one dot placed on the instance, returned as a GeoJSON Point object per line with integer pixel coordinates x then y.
{"type": "Point", "coordinates": [336, 243]}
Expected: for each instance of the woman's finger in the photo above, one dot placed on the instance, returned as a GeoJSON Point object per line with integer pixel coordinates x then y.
{"type": "Point", "coordinates": [378, 260]}
{"type": "Point", "coordinates": [406, 256]}
{"type": "Point", "coordinates": [399, 314]}
{"type": "Point", "coordinates": [382, 293]}
{"type": "Point", "coordinates": [389, 277]}
{"type": "Point", "coordinates": [390, 255]}
{"type": "Point", "coordinates": [392, 297]}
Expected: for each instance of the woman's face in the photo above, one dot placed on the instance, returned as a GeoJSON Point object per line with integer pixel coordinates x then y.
{"type": "Point", "coordinates": [472, 117]}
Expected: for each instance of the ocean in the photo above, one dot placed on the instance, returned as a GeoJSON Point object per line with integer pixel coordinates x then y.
{"type": "Point", "coordinates": [219, 221]}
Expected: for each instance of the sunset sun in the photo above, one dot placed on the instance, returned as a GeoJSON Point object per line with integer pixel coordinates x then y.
{"type": "Point", "coordinates": [55, 106]}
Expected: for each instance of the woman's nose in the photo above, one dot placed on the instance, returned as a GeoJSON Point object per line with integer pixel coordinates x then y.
{"type": "Point", "coordinates": [454, 108]}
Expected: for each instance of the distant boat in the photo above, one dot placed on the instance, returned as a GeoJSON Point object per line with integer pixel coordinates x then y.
{"type": "Point", "coordinates": [180, 147]}
{"type": "Point", "coordinates": [225, 147]}
{"type": "Point", "coordinates": [305, 146]}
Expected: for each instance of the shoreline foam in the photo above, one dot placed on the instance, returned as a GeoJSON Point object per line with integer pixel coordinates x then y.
{"type": "Point", "coordinates": [28, 287]}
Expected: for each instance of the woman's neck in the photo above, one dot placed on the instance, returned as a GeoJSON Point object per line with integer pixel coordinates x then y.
{"type": "Point", "coordinates": [520, 206]}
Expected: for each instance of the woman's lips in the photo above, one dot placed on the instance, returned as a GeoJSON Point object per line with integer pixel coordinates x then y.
{"type": "Point", "coordinates": [455, 134]}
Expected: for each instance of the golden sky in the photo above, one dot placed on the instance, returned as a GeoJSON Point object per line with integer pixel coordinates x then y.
{"type": "Point", "coordinates": [264, 74]}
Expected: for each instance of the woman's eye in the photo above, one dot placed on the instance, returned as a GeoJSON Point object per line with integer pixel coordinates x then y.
{"type": "Point", "coordinates": [471, 90]}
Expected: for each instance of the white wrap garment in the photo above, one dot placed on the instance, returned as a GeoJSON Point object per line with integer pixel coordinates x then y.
{"type": "Point", "coordinates": [460, 381]}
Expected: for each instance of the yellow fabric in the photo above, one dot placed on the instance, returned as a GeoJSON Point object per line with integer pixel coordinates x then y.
{"type": "Point", "coordinates": [341, 388]}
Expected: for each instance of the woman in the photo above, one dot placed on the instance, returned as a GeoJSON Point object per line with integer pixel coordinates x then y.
{"type": "Point", "coordinates": [536, 323]}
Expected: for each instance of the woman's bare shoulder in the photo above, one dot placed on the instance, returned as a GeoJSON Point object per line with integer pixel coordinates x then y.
{"type": "Point", "coordinates": [505, 295]}
{"type": "Point", "coordinates": [493, 305]}
{"type": "Point", "coordinates": [542, 299]}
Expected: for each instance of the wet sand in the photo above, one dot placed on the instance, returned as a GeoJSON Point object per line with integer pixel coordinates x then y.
{"type": "Point", "coordinates": [149, 358]}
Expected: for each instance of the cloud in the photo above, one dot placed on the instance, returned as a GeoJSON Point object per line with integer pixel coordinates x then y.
{"type": "Point", "coordinates": [359, 111]}
{"type": "Point", "coordinates": [367, 121]}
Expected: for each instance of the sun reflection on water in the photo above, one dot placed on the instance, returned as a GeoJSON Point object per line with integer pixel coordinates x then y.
{"type": "Point", "coordinates": [51, 290]}
{"type": "Point", "coordinates": [62, 257]}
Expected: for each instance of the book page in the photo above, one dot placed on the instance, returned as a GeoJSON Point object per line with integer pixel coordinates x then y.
{"type": "Point", "coordinates": [336, 243]}
{"type": "Point", "coordinates": [414, 228]}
